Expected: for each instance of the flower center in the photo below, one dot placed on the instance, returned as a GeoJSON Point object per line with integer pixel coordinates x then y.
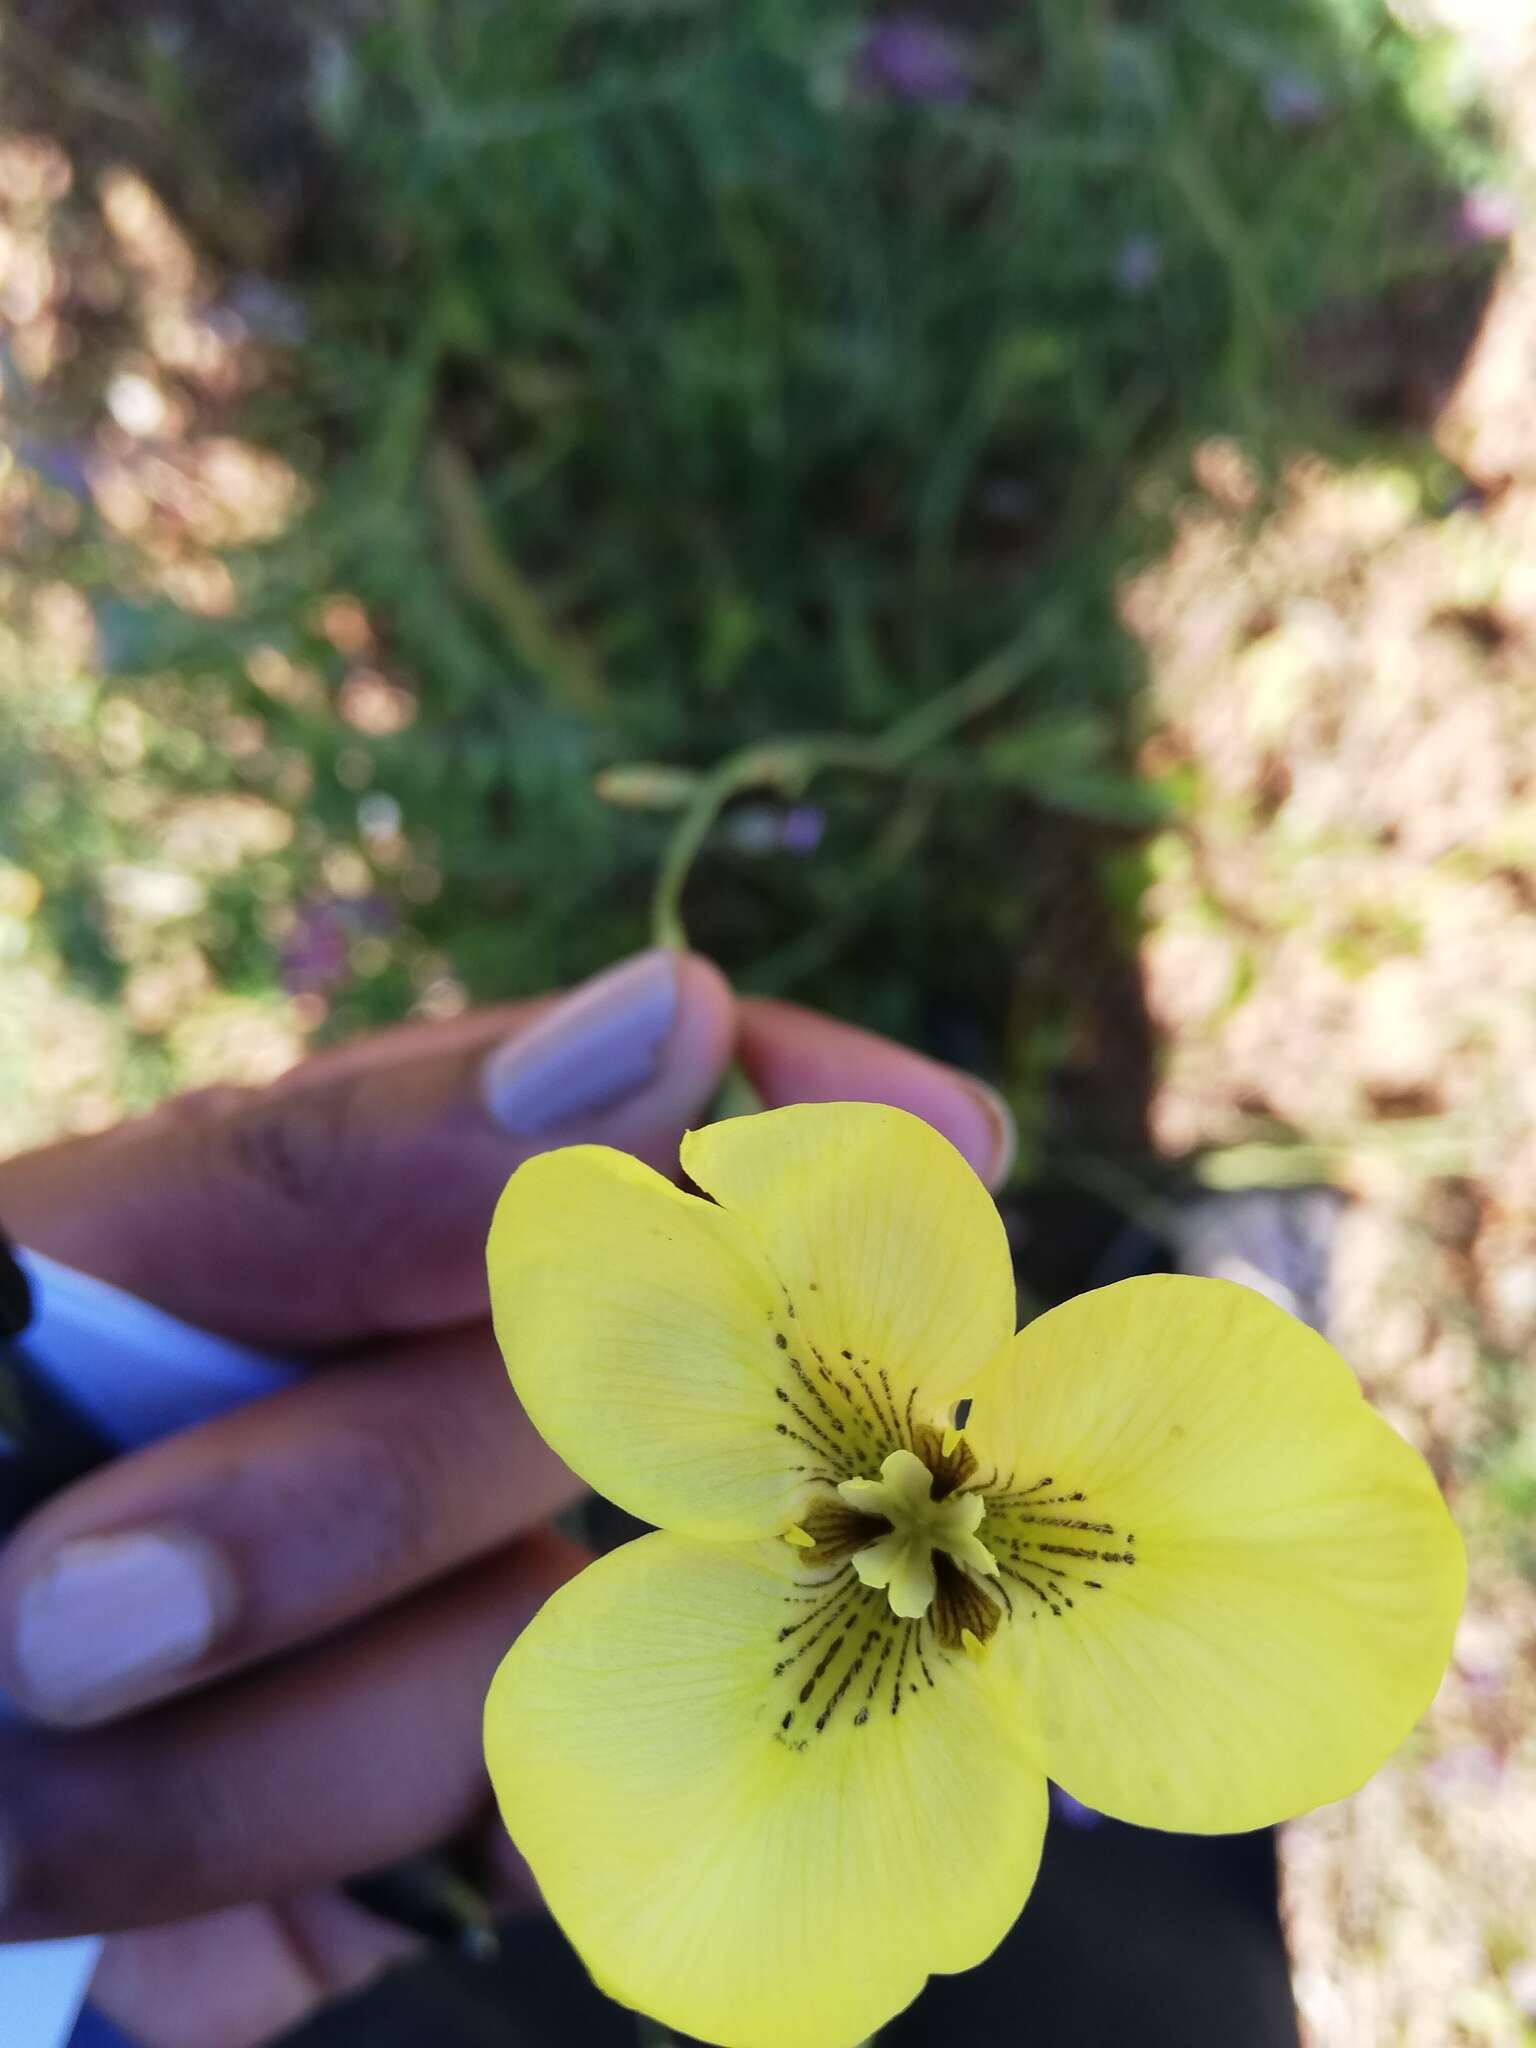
{"type": "Point", "coordinates": [922, 1528]}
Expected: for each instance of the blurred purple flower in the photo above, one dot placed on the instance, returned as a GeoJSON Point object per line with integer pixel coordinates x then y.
{"type": "Point", "coordinates": [767, 828]}
{"type": "Point", "coordinates": [1138, 265]}
{"type": "Point", "coordinates": [801, 829]}
{"type": "Point", "coordinates": [1487, 214]}
{"type": "Point", "coordinates": [908, 57]}
{"type": "Point", "coordinates": [314, 954]}
{"type": "Point", "coordinates": [64, 464]}
{"type": "Point", "coordinates": [317, 953]}
{"type": "Point", "coordinates": [1073, 1811]}
{"type": "Point", "coordinates": [1292, 99]}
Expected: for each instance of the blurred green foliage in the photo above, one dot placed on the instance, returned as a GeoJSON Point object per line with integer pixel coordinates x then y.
{"type": "Point", "coordinates": [676, 378]}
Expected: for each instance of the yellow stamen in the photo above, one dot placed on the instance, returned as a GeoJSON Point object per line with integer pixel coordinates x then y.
{"type": "Point", "coordinates": [973, 1643]}
{"type": "Point", "coordinates": [953, 1439]}
{"type": "Point", "coordinates": [799, 1537]}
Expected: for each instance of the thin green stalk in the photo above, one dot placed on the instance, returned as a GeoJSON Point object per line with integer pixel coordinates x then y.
{"type": "Point", "coordinates": [779, 765]}
{"type": "Point", "coordinates": [789, 766]}
{"type": "Point", "coordinates": [486, 572]}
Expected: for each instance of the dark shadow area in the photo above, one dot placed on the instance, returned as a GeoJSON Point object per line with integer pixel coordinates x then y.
{"type": "Point", "coordinates": [1164, 1940]}
{"type": "Point", "coordinates": [1161, 1940]}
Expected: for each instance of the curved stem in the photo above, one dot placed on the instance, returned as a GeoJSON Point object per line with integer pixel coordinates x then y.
{"type": "Point", "coordinates": [749, 769]}
{"type": "Point", "coordinates": [790, 765]}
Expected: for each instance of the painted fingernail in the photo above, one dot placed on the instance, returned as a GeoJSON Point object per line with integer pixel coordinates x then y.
{"type": "Point", "coordinates": [605, 1040]}
{"type": "Point", "coordinates": [109, 1616]}
{"type": "Point", "coordinates": [1004, 1131]}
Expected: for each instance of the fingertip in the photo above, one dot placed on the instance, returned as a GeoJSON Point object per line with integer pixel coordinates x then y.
{"type": "Point", "coordinates": [690, 1066]}
{"type": "Point", "coordinates": [706, 1014]}
{"type": "Point", "coordinates": [795, 1055]}
{"type": "Point", "coordinates": [1000, 1133]}
{"type": "Point", "coordinates": [547, 1557]}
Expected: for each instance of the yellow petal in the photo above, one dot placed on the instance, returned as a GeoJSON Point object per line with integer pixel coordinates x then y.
{"type": "Point", "coordinates": [731, 1824]}
{"type": "Point", "coordinates": [890, 1252]}
{"type": "Point", "coordinates": [1234, 1587]}
{"type": "Point", "coordinates": [637, 1325]}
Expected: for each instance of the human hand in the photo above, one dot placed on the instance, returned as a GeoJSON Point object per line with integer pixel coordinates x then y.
{"type": "Point", "coordinates": [257, 1653]}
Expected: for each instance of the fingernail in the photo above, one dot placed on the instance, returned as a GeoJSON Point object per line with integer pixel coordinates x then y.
{"type": "Point", "coordinates": [604, 1041]}
{"type": "Point", "coordinates": [109, 1615]}
{"type": "Point", "coordinates": [1004, 1131]}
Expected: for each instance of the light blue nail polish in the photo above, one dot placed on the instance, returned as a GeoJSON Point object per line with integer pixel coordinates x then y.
{"type": "Point", "coordinates": [602, 1042]}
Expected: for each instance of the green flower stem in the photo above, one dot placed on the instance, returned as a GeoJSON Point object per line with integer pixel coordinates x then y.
{"type": "Point", "coordinates": [485, 572]}
{"type": "Point", "coordinates": [789, 766]}
{"type": "Point", "coordinates": [785, 765]}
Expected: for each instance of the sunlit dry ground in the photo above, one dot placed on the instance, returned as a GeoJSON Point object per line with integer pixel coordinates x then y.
{"type": "Point", "coordinates": [1341, 965]}
{"type": "Point", "coordinates": [1340, 957]}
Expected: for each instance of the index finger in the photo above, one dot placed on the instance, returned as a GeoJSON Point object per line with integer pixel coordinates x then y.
{"type": "Point", "coordinates": [794, 1055]}
{"type": "Point", "coordinates": [352, 1199]}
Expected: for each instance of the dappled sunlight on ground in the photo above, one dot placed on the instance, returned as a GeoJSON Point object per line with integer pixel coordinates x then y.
{"type": "Point", "coordinates": [1341, 965]}
{"type": "Point", "coordinates": [128, 356]}
{"type": "Point", "coordinates": [1340, 962]}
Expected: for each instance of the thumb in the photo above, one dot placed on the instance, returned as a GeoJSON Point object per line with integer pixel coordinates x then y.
{"type": "Point", "coordinates": [352, 1199]}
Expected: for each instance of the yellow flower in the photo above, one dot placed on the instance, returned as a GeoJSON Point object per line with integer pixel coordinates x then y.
{"type": "Point", "coordinates": [776, 1763]}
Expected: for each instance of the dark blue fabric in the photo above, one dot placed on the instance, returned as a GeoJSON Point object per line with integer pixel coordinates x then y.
{"type": "Point", "coordinates": [92, 2031]}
